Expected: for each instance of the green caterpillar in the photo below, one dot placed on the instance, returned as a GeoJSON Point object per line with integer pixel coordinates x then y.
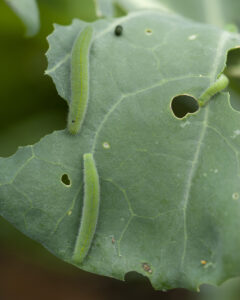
{"type": "Point", "coordinates": [90, 210]}
{"type": "Point", "coordinates": [221, 83]}
{"type": "Point", "coordinates": [79, 80]}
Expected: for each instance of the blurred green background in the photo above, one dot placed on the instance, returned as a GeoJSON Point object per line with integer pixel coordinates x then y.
{"type": "Point", "coordinates": [29, 109]}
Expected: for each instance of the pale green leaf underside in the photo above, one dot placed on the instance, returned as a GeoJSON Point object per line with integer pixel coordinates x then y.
{"type": "Point", "coordinates": [169, 187]}
{"type": "Point", "coordinates": [27, 11]}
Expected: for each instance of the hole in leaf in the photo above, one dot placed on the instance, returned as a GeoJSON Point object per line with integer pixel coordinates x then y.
{"type": "Point", "coordinates": [232, 71]}
{"type": "Point", "coordinates": [235, 196]}
{"type": "Point", "coordinates": [135, 278]}
{"type": "Point", "coordinates": [184, 104]}
{"type": "Point", "coordinates": [233, 63]}
{"type": "Point", "coordinates": [106, 145]}
{"type": "Point", "coordinates": [142, 284]}
{"type": "Point", "coordinates": [66, 180]}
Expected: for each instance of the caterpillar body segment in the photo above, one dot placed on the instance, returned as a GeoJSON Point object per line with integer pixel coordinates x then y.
{"type": "Point", "coordinates": [220, 84]}
{"type": "Point", "coordinates": [79, 80]}
{"type": "Point", "coordinates": [90, 210]}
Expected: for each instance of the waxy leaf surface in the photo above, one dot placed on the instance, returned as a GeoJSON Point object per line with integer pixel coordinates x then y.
{"type": "Point", "coordinates": [169, 187]}
{"type": "Point", "coordinates": [217, 12]}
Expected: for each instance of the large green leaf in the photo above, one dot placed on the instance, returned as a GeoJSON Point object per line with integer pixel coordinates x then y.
{"type": "Point", "coordinates": [27, 11]}
{"type": "Point", "coordinates": [217, 12]}
{"type": "Point", "coordinates": [169, 187]}
{"type": "Point", "coordinates": [109, 8]}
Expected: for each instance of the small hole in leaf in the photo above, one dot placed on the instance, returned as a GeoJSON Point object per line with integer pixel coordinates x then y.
{"type": "Point", "coordinates": [65, 180]}
{"type": "Point", "coordinates": [106, 145]}
{"type": "Point", "coordinates": [184, 104]}
{"type": "Point", "coordinates": [235, 196]}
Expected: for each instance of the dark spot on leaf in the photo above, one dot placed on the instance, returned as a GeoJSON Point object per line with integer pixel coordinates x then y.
{"type": "Point", "coordinates": [148, 31]}
{"type": "Point", "coordinates": [118, 30]}
{"type": "Point", "coordinates": [73, 121]}
{"type": "Point", "coordinates": [65, 180]}
{"type": "Point", "coordinates": [147, 268]}
{"type": "Point", "coordinates": [184, 104]}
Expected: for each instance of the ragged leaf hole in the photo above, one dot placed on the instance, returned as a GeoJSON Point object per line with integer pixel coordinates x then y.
{"type": "Point", "coordinates": [66, 180]}
{"type": "Point", "coordinates": [135, 278]}
{"type": "Point", "coordinates": [232, 71]}
{"type": "Point", "coordinates": [182, 105]}
{"type": "Point", "coordinates": [233, 63]}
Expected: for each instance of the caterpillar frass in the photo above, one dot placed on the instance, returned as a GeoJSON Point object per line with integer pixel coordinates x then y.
{"type": "Point", "coordinates": [118, 30]}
